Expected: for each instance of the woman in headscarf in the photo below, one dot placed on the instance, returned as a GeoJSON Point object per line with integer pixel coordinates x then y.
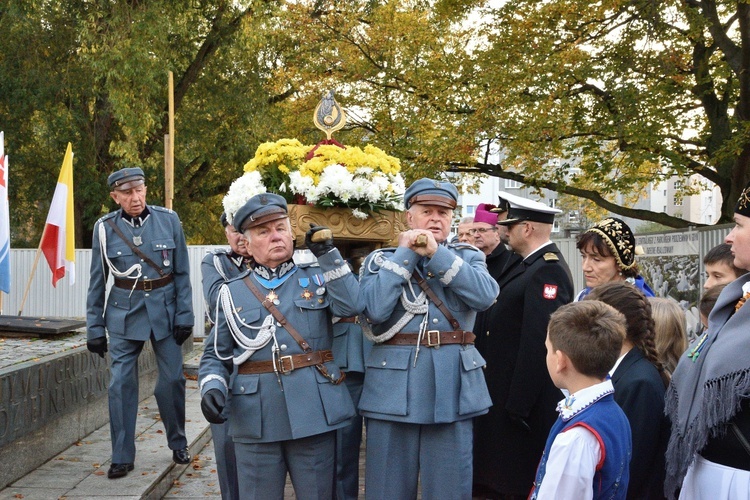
{"type": "Point", "coordinates": [608, 253]}
{"type": "Point", "coordinates": [708, 399]}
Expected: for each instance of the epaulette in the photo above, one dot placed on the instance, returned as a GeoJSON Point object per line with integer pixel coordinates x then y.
{"type": "Point", "coordinates": [305, 265]}
{"type": "Point", "coordinates": [551, 257]}
{"type": "Point", "coordinates": [107, 216]}
{"type": "Point", "coordinates": [459, 245]}
{"type": "Point", "coordinates": [217, 251]}
{"type": "Point", "coordinates": [160, 209]}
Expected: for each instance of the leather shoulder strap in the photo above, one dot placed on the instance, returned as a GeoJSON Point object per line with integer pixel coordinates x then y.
{"type": "Point", "coordinates": [134, 248]}
{"type": "Point", "coordinates": [276, 314]}
{"type": "Point", "coordinates": [434, 298]}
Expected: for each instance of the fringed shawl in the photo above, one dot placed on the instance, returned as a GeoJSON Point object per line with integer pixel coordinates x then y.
{"type": "Point", "coordinates": [706, 390]}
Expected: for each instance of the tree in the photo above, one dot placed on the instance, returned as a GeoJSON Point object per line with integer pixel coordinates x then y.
{"type": "Point", "coordinates": [95, 73]}
{"type": "Point", "coordinates": [627, 92]}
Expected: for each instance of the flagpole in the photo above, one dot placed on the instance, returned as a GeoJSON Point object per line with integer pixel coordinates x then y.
{"type": "Point", "coordinates": [169, 149]}
{"type": "Point", "coordinates": [33, 271]}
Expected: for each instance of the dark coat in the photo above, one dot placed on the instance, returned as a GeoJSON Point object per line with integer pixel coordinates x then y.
{"type": "Point", "coordinates": [639, 391]}
{"type": "Point", "coordinates": [506, 452]}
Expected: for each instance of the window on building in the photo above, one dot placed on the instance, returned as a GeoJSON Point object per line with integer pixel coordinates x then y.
{"type": "Point", "coordinates": [510, 184]}
{"type": "Point", "coordinates": [470, 209]}
{"type": "Point", "coordinates": [677, 201]}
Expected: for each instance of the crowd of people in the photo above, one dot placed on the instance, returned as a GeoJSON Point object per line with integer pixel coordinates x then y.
{"type": "Point", "coordinates": [473, 365]}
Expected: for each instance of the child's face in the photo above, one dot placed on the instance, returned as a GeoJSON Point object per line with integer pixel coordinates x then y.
{"type": "Point", "coordinates": [551, 361]}
{"type": "Point", "coordinates": [718, 273]}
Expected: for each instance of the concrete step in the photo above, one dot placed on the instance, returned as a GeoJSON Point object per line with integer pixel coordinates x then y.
{"type": "Point", "coordinates": [81, 471]}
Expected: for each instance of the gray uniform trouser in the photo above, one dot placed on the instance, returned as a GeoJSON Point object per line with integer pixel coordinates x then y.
{"type": "Point", "coordinates": [310, 461]}
{"type": "Point", "coordinates": [226, 463]}
{"type": "Point", "coordinates": [348, 442]}
{"type": "Point", "coordinates": [399, 454]}
{"type": "Point", "coordinates": [123, 394]}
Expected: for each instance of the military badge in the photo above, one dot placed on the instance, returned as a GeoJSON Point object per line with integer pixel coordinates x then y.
{"type": "Point", "coordinates": [550, 292]}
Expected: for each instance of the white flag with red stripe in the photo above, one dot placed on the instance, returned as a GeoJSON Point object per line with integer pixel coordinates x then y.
{"type": "Point", "coordinates": [58, 239]}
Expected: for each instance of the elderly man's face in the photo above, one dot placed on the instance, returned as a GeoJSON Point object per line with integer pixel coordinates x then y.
{"type": "Point", "coordinates": [132, 200]}
{"type": "Point", "coordinates": [237, 241]}
{"type": "Point", "coordinates": [486, 238]}
{"type": "Point", "coordinates": [433, 218]}
{"type": "Point", "coordinates": [466, 232]}
{"type": "Point", "coordinates": [271, 243]}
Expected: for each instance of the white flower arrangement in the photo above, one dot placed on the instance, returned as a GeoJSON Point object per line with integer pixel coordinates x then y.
{"type": "Point", "coordinates": [364, 181]}
{"type": "Point", "coordinates": [242, 189]}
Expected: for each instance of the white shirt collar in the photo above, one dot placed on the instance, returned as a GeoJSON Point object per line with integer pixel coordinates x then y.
{"type": "Point", "coordinates": [579, 401]}
{"type": "Point", "coordinates": [549, 242]}
{"type": "Point", "coordinates": [617, 363]}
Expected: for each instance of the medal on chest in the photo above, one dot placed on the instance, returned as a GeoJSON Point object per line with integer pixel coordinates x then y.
{"type": "Point", "coordinates": [137, 240]}
{"type": "Point", "coordinates": [272, 297]}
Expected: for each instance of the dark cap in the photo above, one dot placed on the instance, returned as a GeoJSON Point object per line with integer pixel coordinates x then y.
{"type": "Point", "coordinates": [521, 209]}
{"type": "Point", "coordinates": [743, 204]}
{"type": "Point", "coordinates": [431, 192]}
{"type": "Point", "coordinates": [223, 219]}
{"type": "Point", "coordinates": [259, 209]}
{"type": "Point", "coordinates": [126, 178]}
{"type": "Point", "coordinates": [620, 240]}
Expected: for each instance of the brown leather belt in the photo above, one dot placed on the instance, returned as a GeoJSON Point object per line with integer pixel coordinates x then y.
{"type": "Point", "coordinates": [350, 319]}
{"type": "Point", "coordinates": [433, 338]}
{"type": "Point", "coordinates": [145, 285]}
{"type": "Point", "coordinates": [286, 364]}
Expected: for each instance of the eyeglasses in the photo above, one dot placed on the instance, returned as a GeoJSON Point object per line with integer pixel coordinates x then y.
{"type": "Point", "coordinates": [483, 230]}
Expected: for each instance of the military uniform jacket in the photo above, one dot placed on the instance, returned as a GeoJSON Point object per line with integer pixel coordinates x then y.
{"type": "Point", "coordinates": [309, 403]}
{"type": "Point", "coordinates": [218, 267]}
{"type": "Point", "coordinates": [350, 347]}
{"type": "Point", "coordinates": [135, 314]}
{"type": "Point", "coordinates": [444, 384]}
{"type": "Point", "coordinates": [505, 456]}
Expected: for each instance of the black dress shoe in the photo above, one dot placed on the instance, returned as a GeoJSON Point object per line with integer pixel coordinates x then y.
{"type": "Point", "coordinates": [119, 470]}
{"type": "Point", "coordinates": [181, 456]}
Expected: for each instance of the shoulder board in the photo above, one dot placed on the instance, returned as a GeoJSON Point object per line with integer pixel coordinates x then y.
{"type": "Point", "coordinates": [218, 251]}
{"type": "Point", "coordinates": [551, 257]}
{"type": "Point", "coordinates": [462, 246]}
{"type": "Point", "coordinates": [306, 265]}
{"type": "Point", "coordinates": [107, 216]}
{"type": "Point", "coordinates": [386, 249]}
{"type": "Point", "coordinates": [160, 209]}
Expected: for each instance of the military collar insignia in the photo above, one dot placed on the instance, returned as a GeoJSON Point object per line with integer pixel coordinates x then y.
{"type": "Point", "coordinates": [270, 278]}
{"type": "Point", "coordinates": [136, 221]}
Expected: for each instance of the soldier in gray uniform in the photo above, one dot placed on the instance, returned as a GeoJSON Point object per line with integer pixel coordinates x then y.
{"type": "Point", "coordinates": [144, 248]}
{"type": "Point", "coordinates": [423, 379]}
{"type": "Point", "coordinates": [216, 269]}
{"type": "Point", "coordinates": [274, 326]}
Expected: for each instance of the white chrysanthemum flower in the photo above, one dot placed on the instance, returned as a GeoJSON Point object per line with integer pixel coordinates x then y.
{"type": "Point", "coordinates": [300, 184]}
{"type": "Point", "coordinates": [242, 189]}
{"type": "Point", "coordinates": [338, 181]}
{"type": "Point", "coordinates": [361, 188]}
{"type": "Point", "coordinates": [359, 214]}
